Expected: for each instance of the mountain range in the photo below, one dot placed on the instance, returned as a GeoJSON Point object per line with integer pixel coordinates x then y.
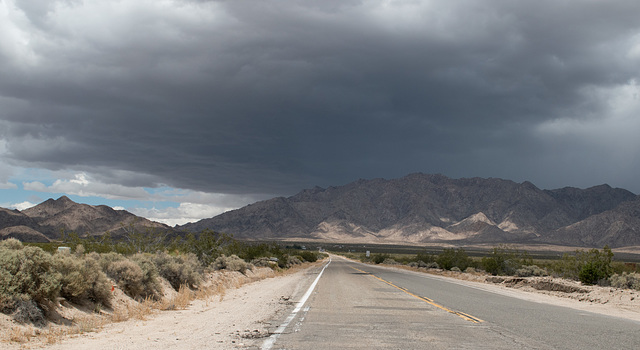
{"type": "Point", "coordinates": [422, 208]}
{"type": "Point", "coordinates": [47, 220]}
{"type": "Point", "coordinates": [415, 209]}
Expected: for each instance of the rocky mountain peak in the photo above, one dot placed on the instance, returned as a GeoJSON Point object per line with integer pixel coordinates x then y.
{"type": "Point", "coordinates": [420, 208]}
{"type": "Point", "coordinates": [51, 217]}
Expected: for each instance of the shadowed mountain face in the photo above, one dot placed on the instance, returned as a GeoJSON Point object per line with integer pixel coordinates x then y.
{"type": "Point", "coordinates": [48, 219]}
{"type": "Point", "coordinates": [423, 208]}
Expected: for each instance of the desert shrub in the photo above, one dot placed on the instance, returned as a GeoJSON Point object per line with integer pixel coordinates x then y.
{"type": "Point", "coordinates": [150, 274]}
{"type": "Point", "coordinates": [207, 245]}
{"type": "Point", "coordinates": [505, 261]}
{"type": "Point", "coordinates": [98, 285]}
{"type": "Point", "coordinates": [293, 260]}
{"type": "Point", "coordinates": [470, 270]}
{"type": "Point", "coordinates": [79, 250]}
{"type": "Point", "coordinates": [11, 243]}
{"type": "Point", "coordinates": [181, 270]}
{"type": "Point", "coordinates": [433, 265]}
{"type": "Point", "coordinates": [107, 259]}
{"type": "Point", "coordinates": [128, 275]}
{"type": "Point", "coordinates": [231, 263]}
{"type": "Point", "coordinates": [456, 269]}
{"type": "Point", "coordinates": [73, 284]}
{"type": "Point", "coordinates": [625, 280]}
{"type": "Point", "coordinates": [418, 264]}
{"type": "Point", "coordinates": [309, 256]}
{"type": "Point", "coordinates": [531, 270]}
{"type": "Point", "coordinates": [263, 262]}
{"type": "Point", "coordinates": [27, 274]}
{"type": "Point", "coordinates": [27, 311]}
{"type": "Point", "coordinates": [450, 258]}
{"type": "Point", "coordinates": [389, 261]}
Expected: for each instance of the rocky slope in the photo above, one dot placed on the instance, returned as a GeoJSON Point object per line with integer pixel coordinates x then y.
{"type": "Point", "coordinates": [47, 220]}
{"type": "Point", "coordinates": [423, 208]}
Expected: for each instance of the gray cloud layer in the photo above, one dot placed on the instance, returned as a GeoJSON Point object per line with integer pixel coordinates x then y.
{"type": "Point", "coordinates": [276, 96]}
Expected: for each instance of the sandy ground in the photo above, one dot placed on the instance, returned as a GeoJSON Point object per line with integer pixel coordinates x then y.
{"type": "Point", "coordinates": [240, 319]}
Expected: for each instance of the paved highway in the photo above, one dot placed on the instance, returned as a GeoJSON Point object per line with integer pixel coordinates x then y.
{"type": "Point", "coordinates": [358, 306]}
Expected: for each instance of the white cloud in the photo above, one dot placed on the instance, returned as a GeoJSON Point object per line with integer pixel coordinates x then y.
{"type": "Point", "coordinates": [83, 185]}
{"type": "Point", "coordinates": [7, 186]}
{"type": "Point", "coordinates": [184, 213]}
{"type": "Point", "coordinates": [22, 206]}
{"type": "Point", "coordinates": [15, 35]}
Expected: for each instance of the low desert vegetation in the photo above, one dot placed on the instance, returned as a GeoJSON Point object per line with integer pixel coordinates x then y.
{"type": "Point", "coordinates": [591, 267]}
{"type": "Point", "coordinates": [35, 279]}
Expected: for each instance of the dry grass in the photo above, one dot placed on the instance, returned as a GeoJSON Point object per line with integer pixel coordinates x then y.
{"type": "Point", "coordinates": [179, 301]}
{"type": "Point", "coordinates": [21, 334]}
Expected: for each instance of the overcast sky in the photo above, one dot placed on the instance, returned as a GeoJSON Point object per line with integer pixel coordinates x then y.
{"type": "Point", "coordinates": [179, 110]}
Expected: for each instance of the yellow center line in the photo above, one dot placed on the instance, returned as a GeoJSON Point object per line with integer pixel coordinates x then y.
{"type": "Point", "coordinates": [426, 300]}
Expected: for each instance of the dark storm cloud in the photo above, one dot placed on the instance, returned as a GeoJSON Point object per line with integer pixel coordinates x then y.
{"type": "Point", "coordinates": [272, 97]}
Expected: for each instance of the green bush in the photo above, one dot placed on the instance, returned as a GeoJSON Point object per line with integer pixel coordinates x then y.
{"type": "Point", "coordinates": [505, 261]}
{"type": "Point", "coordinates": [379, 258]}
{"type": "Point", "coordinates": [207, 245]}
{"type": "Point", "coordinates": [450, 258]}
{"type": "Point", "coordinates": [589, 267]}
{"type": "Point", "coordinates": [309, 256]}
{"type": "Point", "coordinates": [596, 265]}
{"type": "Point", "coordinates": [425, 258]}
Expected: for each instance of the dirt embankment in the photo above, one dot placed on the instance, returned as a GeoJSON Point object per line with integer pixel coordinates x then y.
{"type": "Point", "coordinates": [229, 311]}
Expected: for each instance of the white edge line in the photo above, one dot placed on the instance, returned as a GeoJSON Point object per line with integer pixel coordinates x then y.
{"type": "Point", "coordinates": [269, 342]}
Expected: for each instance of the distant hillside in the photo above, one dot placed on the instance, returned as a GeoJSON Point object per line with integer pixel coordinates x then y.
{"type": "Point", "coordinates": [423, 208]}
{"type": "Point", "coordinates": [48, 219]}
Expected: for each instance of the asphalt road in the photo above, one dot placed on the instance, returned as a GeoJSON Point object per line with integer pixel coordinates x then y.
{"type": "Point", "coordinates": [358, 306]}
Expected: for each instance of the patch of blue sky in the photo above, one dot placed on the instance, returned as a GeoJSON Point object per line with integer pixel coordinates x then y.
{"type": "Point", "coordinates": [16, 198]}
